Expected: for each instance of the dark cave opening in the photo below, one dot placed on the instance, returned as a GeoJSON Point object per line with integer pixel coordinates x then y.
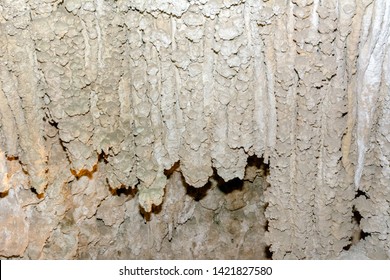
{"type": "Point", "coordinates": [255, 165]}
{"type": "Point", "coordinates": [268, 252]}
{"type": "Point", "coordinates": [358, 234]}
{"type": "Point", "coordinates": [130, 192]}
{"type": "Point", "coordinates": [357, 217]}
{"type": "Point", "coordinates": [225, 187]}
{"type": "Point", "coordinates": [259, 163]}
{"type": "Point", "coordinates": [361, 193]}
{"type": "Point", "coordinates": [231, 185]}
{"type": "Point", "coordinates": [197, 193]}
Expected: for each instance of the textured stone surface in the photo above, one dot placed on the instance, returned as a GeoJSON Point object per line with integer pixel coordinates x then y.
{"type": "Point", "coordinates": [14, 227]}
{"type": "Point", "coordinates": [251, 128]}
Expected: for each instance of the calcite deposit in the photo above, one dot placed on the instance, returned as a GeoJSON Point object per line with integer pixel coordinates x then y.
{"type": "Point", "coordinates": [194, 129]}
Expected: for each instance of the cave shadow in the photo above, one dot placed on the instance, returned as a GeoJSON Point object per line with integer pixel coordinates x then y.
{"type": "Point", "coordinates": [226, 187]}
{"type": "Point", "coordinates": [147, 216]}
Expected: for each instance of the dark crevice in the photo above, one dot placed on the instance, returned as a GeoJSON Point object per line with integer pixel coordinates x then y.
{"type": "Point", "coordinates": [197, 193]}
{"type": "Point", "coordinates": [147, 216]}
{"type": "Point", "coordinates": [357, 234]}
{"type": "Point", "coordinates": [12, 158]}
{"type": "Point", "coordinates": [169, 172]}
{"type": "Point", "coordinates": [361, 193]}
{"type": "Point", "coordinates": [34, 191]}
{"type": "Point", "coordinates": [103, 158]}
{"type": "Point", "coordinates": [16, 158]}
{"type": "Point", "coordinates": [363, 235]}
{"type": "Point", "coordinates": [259, 163]}
{"type": "Point", "coordinates": [355, 238]}
{"type": "Point", "coordinates": [60, 4]}
{"type": "Point", "coordinates": [54, 124]}
{"type": "Point", "coordinates": [360, 234]}
{"type": "Point", "coordinates": [3, 194]}
{"type": "Point", "coordinates": [231, 186]}
{"type": "Point", "coordinates": [126, 191]}
{"type": "Point", "coordinates": [24, 168]}
{"type": "Point", "coordinates": [356, 216]}
{"type": "Point", "coordinates": [296, 72]}
{"type": "Point", "coordinates": [235, 184]}
{"type": "Point", "coordinates": [263, 170]}
{"type": "Point", "coordinates": [268, 253]}
{"type": "Point", "coordinates": [65, 150]}
{"type": "Point", "coordinates": [225, 187]}
{"type": "Point", "coordinates": [346, 248]}
{"type": "Point", "coordinates": [123, 190]}
{"type": "Point", "coordinates": [39, 195]}
{"type": "Point", "coordinates": [266, 226]}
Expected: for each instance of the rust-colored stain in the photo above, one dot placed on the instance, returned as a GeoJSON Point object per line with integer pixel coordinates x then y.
{"type": "Point", "coordinates": [84, 172]}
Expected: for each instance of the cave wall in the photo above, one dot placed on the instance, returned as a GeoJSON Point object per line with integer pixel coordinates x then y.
{"type": "Point", "coordinates": [123, 123]}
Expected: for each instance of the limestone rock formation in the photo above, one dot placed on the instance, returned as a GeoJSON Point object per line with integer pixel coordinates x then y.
{"type": "Point", "coordinates": [229, 129]}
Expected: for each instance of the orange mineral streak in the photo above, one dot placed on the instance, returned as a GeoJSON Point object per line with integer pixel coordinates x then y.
{"type": "Point", "coordinates": [84, 172]}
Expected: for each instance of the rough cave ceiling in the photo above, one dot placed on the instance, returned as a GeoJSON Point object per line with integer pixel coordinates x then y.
{"type": "Point", "coordinates": [124, 119]}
